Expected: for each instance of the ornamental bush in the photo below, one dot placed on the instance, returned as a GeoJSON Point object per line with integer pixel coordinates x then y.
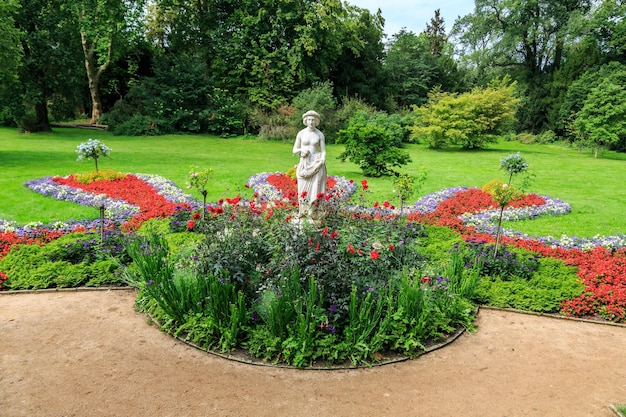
{"type": "Point", "coordinates": [471, 120]}
{"type": "Point", "coordinates": [374, 143]}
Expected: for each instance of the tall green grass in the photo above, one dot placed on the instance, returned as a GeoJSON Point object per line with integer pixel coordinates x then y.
{"type": "Point", "coordinates": [594, 187]}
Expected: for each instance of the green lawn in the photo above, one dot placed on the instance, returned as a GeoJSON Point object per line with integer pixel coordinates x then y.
{"type": "Point", "coordinates": [594, 187]}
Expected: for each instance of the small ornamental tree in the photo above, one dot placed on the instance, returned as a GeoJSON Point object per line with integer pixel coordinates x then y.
{"type": "Point", "coordinates": [514, 164]}
{"type": "Point", "coordinates": [406, 185]}
{"type": "Point", "coordinates": [92, 149]}
{"type": "Point", "coordinates": [199, 180]}
{"type": "Point", "coordinates": [374, 142]}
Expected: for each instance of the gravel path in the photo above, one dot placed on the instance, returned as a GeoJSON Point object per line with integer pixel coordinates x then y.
{"type": "Point", "coordinates": [90, 354]}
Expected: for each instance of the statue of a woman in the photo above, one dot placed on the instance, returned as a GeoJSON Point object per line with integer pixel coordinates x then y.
{"type": "Point", "coordinates": [311, 171]}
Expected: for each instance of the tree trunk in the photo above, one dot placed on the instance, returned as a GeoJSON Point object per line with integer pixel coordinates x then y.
{"type": "Point", "coordinates": [43, 122]}
{"type": "Point", "coordinates": [93, 76]}
{"type": "Point", "coordinates": [96, 100]}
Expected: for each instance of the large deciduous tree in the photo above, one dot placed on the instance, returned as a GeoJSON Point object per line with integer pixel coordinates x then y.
{"type": "Point", "coordinates": [10, 48]}
{"type": "Point", "coordinates": [101, 24]}
{"type": "Point", "coordinates": [415, 64]}
{"type": "Point", "coordinates": [524, 38]}
{"type": "Point", "coordinates": [47, 74]}
{"type": "Point", "coordinates": [10, 56]}
{"type": "Point", "coordinates": [602, 120]}
{"type": "Point", "coordinates": [266, 52]}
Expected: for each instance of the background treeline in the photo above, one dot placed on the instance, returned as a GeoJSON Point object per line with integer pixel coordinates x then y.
{"type": "Point", "coordinates": [553, 69]}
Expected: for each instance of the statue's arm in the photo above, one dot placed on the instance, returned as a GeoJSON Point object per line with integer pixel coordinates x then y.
{"type": "Point", "coordinates": [297, 146]}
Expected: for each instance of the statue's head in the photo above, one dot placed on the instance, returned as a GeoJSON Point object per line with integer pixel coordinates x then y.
{"type": "Point", "coordinates": [312, 114]}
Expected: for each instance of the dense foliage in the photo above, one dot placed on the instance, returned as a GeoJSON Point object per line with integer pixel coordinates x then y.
{"type": "Point", "coordinates": [349, 290]}
{"type": "Point", "coordinates": [374, 143]}
{"type": "Point", "coordinates": [472, 119]}
{"type": "Point", "coordinates": [231, 68]}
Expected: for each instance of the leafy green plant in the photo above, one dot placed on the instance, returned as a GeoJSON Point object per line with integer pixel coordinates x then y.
{"type": "Point", "coordinates": [374, 143]}
{"type": "Point", "coordinates": [552, 283]}
{"type": "Point", "coordinates": [472, 120]}
{"type": "Point", "coordinates": [506, 264]}
{"type": "Point", "coordinates": [70, 261]}
{"type": "Point", "coordinates": [199, 181]}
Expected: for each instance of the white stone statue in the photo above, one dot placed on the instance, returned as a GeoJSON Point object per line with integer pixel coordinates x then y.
{"type": "Point", "coordinates": [311, 170]}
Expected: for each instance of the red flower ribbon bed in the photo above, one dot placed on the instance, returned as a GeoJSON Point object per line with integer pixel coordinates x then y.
{"type": "Point", "coordinates": [132, 190]}
{"type": "Point", "coordinates": [289, 186]}
{"type": "Point", "coordinates": [601, 270]}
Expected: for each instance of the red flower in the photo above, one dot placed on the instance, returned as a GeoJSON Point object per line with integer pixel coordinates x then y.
{"type": "Point", "coordinates": [196, 216]}
{"type": "Point", "coordinates": [425, 280]}
{"type": "Point", "coordinates": [351, 249]}
{"type": "Point", "coordinates": [364, 185]}
{"type": "Point", "coordinates": [190, 224]}
{"type": "Point", "coordinates": [386, 204]}
{"type": "Point", "coordinates": [374, 255]}
{"type": "Point", "coordinates": [391, 247]}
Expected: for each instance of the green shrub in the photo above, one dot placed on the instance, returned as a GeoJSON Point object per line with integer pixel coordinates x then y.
{"type": "Point", "coordinates": [374, 143]}
{"type": "Point", "coordinates": [104, 272]}
{"type": "Point", "coordinates": [551, 284]}
{"type": "Point", "coordinates": [72, 260]}
{"type": "Point", "coordinates": [139, 125]}
{"type": "Point", "coordinates": [471, 120]}
{"type": "Point", "coordinates": [321, 99]}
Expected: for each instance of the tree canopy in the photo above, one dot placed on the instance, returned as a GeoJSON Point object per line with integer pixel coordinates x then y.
{"type": "Point", "coordinates": [105, 59]}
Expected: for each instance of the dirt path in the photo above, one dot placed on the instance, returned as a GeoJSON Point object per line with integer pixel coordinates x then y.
{"type": "Point", "coordinates": [90, 354]}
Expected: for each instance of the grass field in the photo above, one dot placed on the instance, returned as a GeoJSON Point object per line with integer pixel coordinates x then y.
{"type": "Point", "coordinates": [594, 187]}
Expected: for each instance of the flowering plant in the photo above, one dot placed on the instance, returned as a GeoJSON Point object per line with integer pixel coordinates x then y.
{"type": "Point", "coordinates": [92, 149]}
{"type": "Point", "coordinates": [513, 164]}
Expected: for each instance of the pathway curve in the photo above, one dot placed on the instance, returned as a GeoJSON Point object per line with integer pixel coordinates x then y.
{"type": "Point", "coordinates": [90, 354]}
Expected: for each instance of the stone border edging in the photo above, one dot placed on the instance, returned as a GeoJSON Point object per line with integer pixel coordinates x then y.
{"type": "Point", "coordinates": [615, 410]}
{"type": "Point", "coordinates": [402, 358]}
{"type": "Point", "coordinates": [69, 289]}
{"type": "Point", "coordinates": [554, 316]}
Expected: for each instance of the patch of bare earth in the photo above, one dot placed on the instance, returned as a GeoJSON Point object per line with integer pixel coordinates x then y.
{"type": "Point", "coordinates": [90, 354]}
